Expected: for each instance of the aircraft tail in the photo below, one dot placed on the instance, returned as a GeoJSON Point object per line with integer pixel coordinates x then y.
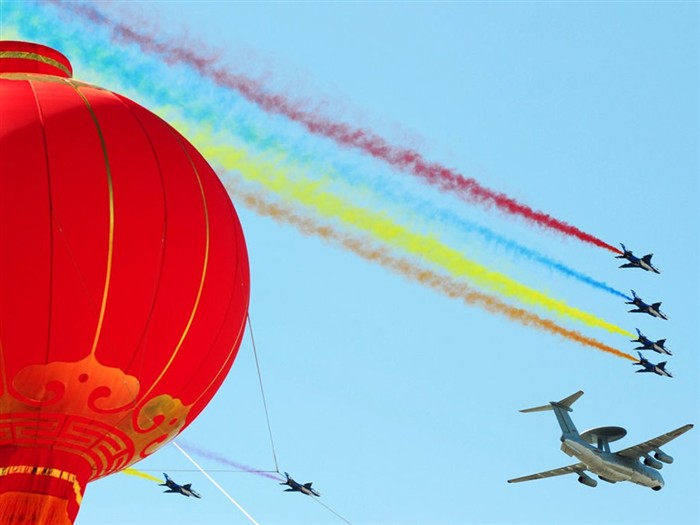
{"type": "Point", "coordinates": [561, 410]}
{"type": "Point", "coordinates": [564, 403]}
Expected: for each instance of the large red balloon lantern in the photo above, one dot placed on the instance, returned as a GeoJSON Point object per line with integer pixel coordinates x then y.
{"type": "Point", "coordinates": [124, 284]}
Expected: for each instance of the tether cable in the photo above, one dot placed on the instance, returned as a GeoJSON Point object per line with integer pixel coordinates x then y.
{"type": "Point", "coordinates": [262, 392]}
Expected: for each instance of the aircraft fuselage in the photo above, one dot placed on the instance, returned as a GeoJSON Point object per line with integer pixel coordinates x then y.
{"type": "Point", "coordinates": [611, 466]}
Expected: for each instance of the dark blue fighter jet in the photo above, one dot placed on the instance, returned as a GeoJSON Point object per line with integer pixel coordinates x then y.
{"type": "Point", "coordinates": [185, 490]}
{"type": "Point", "coordinates": [659, 369]}
{"type": "Point", "coordinates": [298, 487]}
{"type": "Point", "coordinates": [635, 262]}
{"type": "Point", "coordinates": [643, 308]}
{"type": "Point", "coordinates": [647, 344]}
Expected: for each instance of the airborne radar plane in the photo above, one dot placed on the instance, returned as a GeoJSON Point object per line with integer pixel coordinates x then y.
{"type": "Point", "coordinates": [643, 308]}
{"type": "Point", "coordinates": [298, 487]}
{"type": "Point", "coordinates": [647, 344]}
{"type": "Point", "coordinates": [635, 262]}
{"type": "Point", "coordinates": [185, 490]}
{"type": "Point", "coordinates": [592, 449]}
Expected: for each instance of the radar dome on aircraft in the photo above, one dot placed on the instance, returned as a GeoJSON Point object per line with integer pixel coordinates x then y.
{"type": "Point", "coordinates": [124, 286]}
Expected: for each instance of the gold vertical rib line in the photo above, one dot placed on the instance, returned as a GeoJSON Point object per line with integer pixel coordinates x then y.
{"type": "Point", "coordinates": [110, 248]}
{"type": "Point", "coordinates": [203, 277]}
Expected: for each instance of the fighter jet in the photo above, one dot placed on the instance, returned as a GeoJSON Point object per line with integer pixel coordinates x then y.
{"type": "Point", "coordinates": [635, 262]}
{"type": "Point", "coordinates": [298, 487]}
{"type": "Point", "coordinates": [185, 490]}
{"type": "Point", "coordinates": [643, 308]}
{"type": "Point", "coordinates": [659, 369]}
{"type": "Point", "coordinates": [592, 449]}
{"type": "Point", "coordinates": [648, 344]}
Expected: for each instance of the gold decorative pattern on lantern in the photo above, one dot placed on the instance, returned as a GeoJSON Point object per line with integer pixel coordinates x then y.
{"type": "Point", "coordinates": [88, 409]}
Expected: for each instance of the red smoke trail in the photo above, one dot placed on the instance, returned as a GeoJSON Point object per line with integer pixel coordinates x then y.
{"type": "Point", "coordinates": [365, 140]}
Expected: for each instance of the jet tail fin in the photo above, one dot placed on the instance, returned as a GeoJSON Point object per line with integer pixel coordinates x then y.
{"type": "Point", "coordinates": [564, 403]}
{"type": "Point", "coordinates": [561, 409]}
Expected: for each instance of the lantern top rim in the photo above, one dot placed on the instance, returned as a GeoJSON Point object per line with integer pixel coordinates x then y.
{"type": "Point", "coordinates": [30, 57]}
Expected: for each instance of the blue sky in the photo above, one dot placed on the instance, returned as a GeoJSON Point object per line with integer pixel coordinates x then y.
{"type": "Point", "coordinates": [401, 405]}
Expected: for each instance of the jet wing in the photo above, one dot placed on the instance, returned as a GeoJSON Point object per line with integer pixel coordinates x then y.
{"type": "Point", "coordinates": [629, 265]}
{"type": "Point", "coordinates": [638, 451]}
{"type": "Point", "coordinates": [577, 468]}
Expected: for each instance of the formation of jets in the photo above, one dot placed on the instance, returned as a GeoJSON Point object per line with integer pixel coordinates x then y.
{"type": "Point", "coordinates": [642, 307]}
{"type": "Point", "coordinates": [592, 449]}
{"type": "Point", "coordinates": [187, 490]}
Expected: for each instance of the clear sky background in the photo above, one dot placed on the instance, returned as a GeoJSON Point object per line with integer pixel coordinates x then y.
{"type": "Point", "coordinates": [400, 404]}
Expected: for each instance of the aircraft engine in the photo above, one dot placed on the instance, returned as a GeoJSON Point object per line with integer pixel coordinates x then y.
{"type": "Point", "coordinates": [651, 462]}
{"type": "Point", "coordinates": [663, 457]}
{"type": "Point", "coordinates": [585, 480]}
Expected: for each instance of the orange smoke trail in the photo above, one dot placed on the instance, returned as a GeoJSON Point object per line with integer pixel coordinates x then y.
{"type": "Point", "coordinates": [412, 271]}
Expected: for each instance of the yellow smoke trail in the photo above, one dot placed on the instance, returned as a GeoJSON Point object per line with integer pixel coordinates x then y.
{"type": "Point", "coordinates": [139, 474]}
{"type": "Point", "coordinates": [275, 176]}
{"type": "Point", "coordinates": [442, 284]}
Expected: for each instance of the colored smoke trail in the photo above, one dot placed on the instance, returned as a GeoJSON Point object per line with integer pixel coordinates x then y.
{"type": "Point", "coordinates": [139, 474]}
{"type": "Point", "coordinates": [363, 247]}
{"type": "Point", "coordinates": [365, 140]}
{"type": "Point", "coordinates": [102, 50]}
{"type": "Point", "coordinates": [228, 462]}
{"type": "Point", "coordinates": [429, 248]}
{"type": "Point", "coordinates": [152, 79]}
{"type": "Point", "coordinates": [415, 206]}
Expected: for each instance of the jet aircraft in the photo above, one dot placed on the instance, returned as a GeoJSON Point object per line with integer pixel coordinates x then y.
{"type": "Point", "coordinates": [592, 449]}
{"type": "Point", "coordinates": [643, 308]}
{"type": "Point", "coordinates": [298, 487]}
{"type": "Point", "coordinates": [659, 369]}
{"type": "Point", "coordinates": [635, 262]}
{"type": "Point", "coordinates": [185, 490]}
{"type": "Point", "coordinates": [648, 344]}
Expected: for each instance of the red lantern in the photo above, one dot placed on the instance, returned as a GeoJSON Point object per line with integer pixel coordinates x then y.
{"type": "Point", "coordinates": [124, 284]}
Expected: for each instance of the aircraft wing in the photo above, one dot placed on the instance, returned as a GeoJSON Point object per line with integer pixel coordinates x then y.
{"type": "Point", "coordinates": [578, 468]}
{"type": "Point", "coordinates": [629, 265]}
{"type": "Point", "coordinates": [638, 451]}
